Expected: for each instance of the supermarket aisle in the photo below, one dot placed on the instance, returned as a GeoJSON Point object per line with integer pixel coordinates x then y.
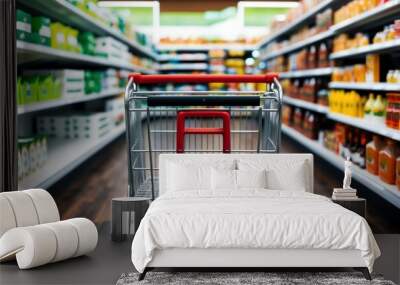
{"type": "Point", "coordinates": [87, 191]}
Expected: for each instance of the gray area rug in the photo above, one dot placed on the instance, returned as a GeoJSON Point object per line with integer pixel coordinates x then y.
{"type": "Point", "coordinates": [236, 278]}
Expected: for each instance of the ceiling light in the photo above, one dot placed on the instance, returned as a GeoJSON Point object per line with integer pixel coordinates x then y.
{"type": "Point", "coordinates": [268, 4]}
{"type": "Point", "coordinates": [105, 3]}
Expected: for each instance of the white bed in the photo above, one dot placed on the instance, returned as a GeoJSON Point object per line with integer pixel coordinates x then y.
{"type": "Point", "coordinates": [201, 219]}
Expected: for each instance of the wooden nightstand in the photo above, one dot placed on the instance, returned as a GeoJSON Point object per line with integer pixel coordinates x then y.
{"type": "Point", "coordinates": [358, 205]}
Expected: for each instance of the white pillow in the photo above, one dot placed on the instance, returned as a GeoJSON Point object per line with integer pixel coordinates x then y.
{"type": "Point", "coordinates": [281, 174]}
{"type": "Point", "coordinates": [223, 179]}
{"type": "Point", "coordinates": [279, 180]}
{"type": "Point", "coordinates": [183, 177]}
{"type": "Point", "coordinates": [251, 178]}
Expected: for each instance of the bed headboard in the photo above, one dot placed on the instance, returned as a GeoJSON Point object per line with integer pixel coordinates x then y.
{"type": "Point", "coordinates": [213, 159]}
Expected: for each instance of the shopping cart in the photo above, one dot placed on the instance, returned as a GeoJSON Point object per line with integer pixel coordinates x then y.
{"type": "Point", "coordinates": [196, 122]}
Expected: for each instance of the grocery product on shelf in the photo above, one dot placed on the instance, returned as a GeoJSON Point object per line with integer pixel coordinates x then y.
{"type": "Point", "coordinates": [35, 86]}
{"type": "Point", "coordinates": [116, 108]}
{"type": "Point", "coordinates": [23, 25]}
{"type": "Point", "coordinates": [323, 56]}
{"type": "Point", "coordinates": [347, 103]}
{"type": "Point", "coordinates": [309, 89]}
{"type": "Point", "coordinates": [112, 49]}
{"type": "Point", "coordinates": [393, 111]}
{"type": "Point", "coordinates": [393, 76]}
{"type": "Point", "coordinates": [304, 121]}
{"type": "Point", "coordinates": [75, 126]}
{"type": "Point", "coordinates": [58, 40]}
{"type": "Point", "coordinates": [322, 24]}
{"type": "Point", "coordinates": [87, 42]}
{"type": "Point", "coordinates": [389, 33]}
{"type": "Point", "coordinates": [387, 162]}
{"type": "Point", "coordinates": [110, 79]}
{"type": "Point", "coordinates": [41, 33]}
{"type": "Point", "coordinates": [370, 72]}
{"type": "Point", "coordinates": [378, 110]}
{"type": "Point", "coordinates": [372, 154]}
{"type": "Point", "coordinates": [372, 68]}
{"type": "Point", "coordinates": [294, 14]}
{"type": "Point", "coordinates": [32, 154]}
{"type": "Point", "coordinates": [354, 8]}
{"type": "Point", "coordinates": [315, 56]}
{"type": "Point", "coordinates": [112, 19]}
{"type": "Point", "coordinates": [344, 41]}
{"type": "Point", "coordinates": [92, 81]}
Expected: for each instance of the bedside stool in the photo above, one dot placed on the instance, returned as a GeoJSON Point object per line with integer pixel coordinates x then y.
{"type": "Point", "coordinates": [126, 210]}
{"type": "Point", "coordinates": [358, 205]}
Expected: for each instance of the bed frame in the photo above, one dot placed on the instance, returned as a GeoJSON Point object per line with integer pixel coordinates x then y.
{"type": "Point", "coordinates": [256, 258]}
{"type": "Point", "coordinates": [253, 258]}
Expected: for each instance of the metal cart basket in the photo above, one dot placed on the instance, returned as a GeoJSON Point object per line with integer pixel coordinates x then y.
{"type": "Point", "coordinates": [196, 122]}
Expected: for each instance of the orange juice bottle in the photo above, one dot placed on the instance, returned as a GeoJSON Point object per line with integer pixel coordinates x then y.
{"type": "Point", "coordinates": [387, 163]}
{"type": "Point", "coordinates": [372, 154]}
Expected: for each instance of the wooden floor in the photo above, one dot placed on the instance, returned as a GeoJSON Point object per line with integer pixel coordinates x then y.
{"type": "Point", "coordinates": [87, 191]}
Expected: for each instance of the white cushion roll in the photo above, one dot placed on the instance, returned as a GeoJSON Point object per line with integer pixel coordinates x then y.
{"type": "Point", "coordinates": [87, 234]}
{"type": "Point", "coordinates": [45, 205]}
{"type": "Point", "coordinates": [23, 207]}
{"type": "Point", "coordinates": [7, 218]}
{"type": "Point", "coordinates": [67, 239]}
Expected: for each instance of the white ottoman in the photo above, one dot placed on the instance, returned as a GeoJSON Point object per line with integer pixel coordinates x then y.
{"type": "Point", "coordinates": [31, 232]}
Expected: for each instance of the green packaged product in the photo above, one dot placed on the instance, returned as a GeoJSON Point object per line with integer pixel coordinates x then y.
{"type": "Point", "coordinates": [72, 39]}
{"type": "Point", "coordinates": [91, 82]}
{"type": "Point", "coordinates": [41, 33]}
{"type": "Point", "coordinates": [45, 88]}
{"type": "Point", "coordinates": [24, 26]}
{"type": "Point", "coordinates": [58, 38]}
{"type": "Point", "coordinates": [31, 90]}
{"type": "Point", "coordinates": [87, 42]}
{"type": "Point", "coordinates": [20, 100]}
{"type": "Point", "coordinates": [57, 89]}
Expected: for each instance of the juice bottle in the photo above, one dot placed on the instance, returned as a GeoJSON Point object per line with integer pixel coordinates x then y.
{"type": "Point", "coordinates": [368, 105]}
{"type": "Point", "coordinates": [323, 60]}
{"type": "Point", "coordinates": [372, 154]}
{"type": "Point", "coordinates": [378, 109]}
{"type": "Point", "coordinates": [387, 162]}
{"type": "Point", "coordinates": [312, 58]}
{"type": "Point", "coordinates": [390, 110]}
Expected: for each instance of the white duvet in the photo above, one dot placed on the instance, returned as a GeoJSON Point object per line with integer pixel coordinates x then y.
{"type": "Point", "coordinates": [250, 219]}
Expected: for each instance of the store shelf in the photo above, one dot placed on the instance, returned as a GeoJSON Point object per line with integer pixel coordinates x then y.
{"type": "Point", "coordinates": [64, 156]}
{"type": "Point", "coordinates": [368, 125]}
{"type": "Point", "coordinates": [389, 46]}
{"type": "Point", "coordinates": [59, 9]}
{"type": "Point", "coordinates": [299, 45]}
{"type": "Point", "coordinates": [316, 72]}
{"type": "Point", "coordinates": [183, 57]}
{"type": "Point", "coordinates": [183, 66]}
{"type": "Point", "coordinates": [206, 47]}
{"type": "Point", "coordinates": [34, 107]}
{"type": "Point", "coordinates": [28, 52]}
{"type": "Point", "coordinates": [386, 191]}
{"type": "Point", "coordinates": [372, 17]}
{"type": "Point", "coordinates": [305, 105]}
{"type": "Point", "coordinates": [381, 87]}
{"type": "Point", "coordinates": [297, 23]}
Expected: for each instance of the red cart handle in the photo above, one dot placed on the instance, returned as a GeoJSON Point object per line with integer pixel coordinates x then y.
{"type": "Point", "coordinates": [202, 78]}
